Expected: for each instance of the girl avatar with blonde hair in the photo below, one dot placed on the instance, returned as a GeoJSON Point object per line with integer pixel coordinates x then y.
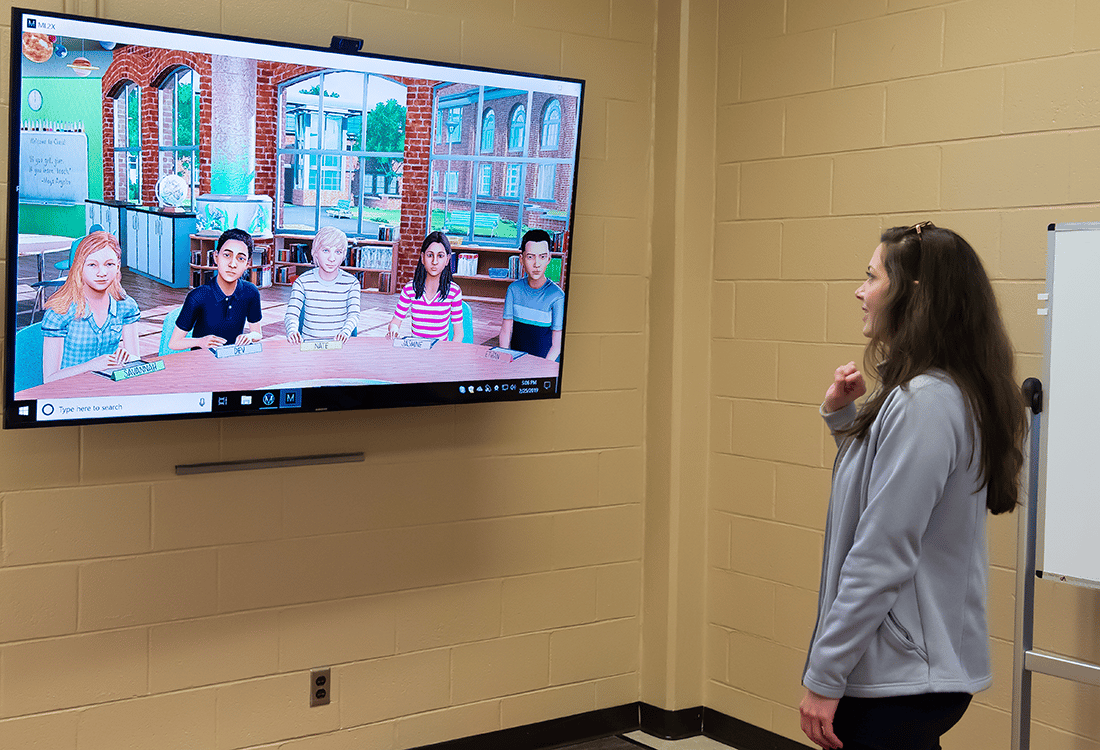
{"type": "Point", "coordinates": [90, 322]}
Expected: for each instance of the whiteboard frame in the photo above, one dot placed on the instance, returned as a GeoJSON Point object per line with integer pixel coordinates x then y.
{"type": "Point", "coordinates": [1062, 562]}
{"type": "Point", "coordinates": [1031, 518]}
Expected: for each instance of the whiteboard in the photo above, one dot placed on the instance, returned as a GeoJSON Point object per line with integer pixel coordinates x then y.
{"type": "Point", "coordinates": [53, 167]}
{"type": "Point", "coordinates": [1068, 545]}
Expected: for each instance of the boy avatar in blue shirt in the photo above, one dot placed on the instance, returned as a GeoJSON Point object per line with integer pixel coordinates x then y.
{"type": "Point", "coordinates": [216, 312]}
{"type": "Point", "coordinates": [534, 306]}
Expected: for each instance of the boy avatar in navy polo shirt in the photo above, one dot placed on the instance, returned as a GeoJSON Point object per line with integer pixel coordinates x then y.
{"type": "Point", "coordinates": [215, 313]}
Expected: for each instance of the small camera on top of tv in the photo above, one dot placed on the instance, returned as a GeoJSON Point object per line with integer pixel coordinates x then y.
{"type": "Point", "coordinates": [345, 44]}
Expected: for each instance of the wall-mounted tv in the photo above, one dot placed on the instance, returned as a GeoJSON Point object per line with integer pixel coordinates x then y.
{"type": "Point", "coordinates": [204, 225]}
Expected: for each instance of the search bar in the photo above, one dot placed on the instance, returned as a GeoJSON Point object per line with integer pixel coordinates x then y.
{"type": "Point", "coordinates": [108, 407]}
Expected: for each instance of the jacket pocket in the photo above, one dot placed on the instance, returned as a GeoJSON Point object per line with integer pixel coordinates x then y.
{"type": "Point", "coordinates": [893, 657]}
{"type": "Point", "coordinates": [905, 641]}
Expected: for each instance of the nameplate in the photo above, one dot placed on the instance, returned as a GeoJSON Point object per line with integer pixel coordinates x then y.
{"type": "Point", "coordinates": [236, 350]}
{"type": "Point", "coordinates": [320, 346]}
{"type": "Point", "coordinates": [132, 370]}
{"type": "Point", "coordinates": [414, 342]}
{"type": "Point", "coordinates": [503, 355]}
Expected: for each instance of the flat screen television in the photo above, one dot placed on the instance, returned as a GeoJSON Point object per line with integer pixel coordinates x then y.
{"type": "Point", "coordinates": [133, 150]}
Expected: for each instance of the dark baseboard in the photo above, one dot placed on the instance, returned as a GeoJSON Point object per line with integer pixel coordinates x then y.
{"type": "Point", "coordinates": [669, 725]}
{"type": "Point", "coordinates": [547, 734]}
{"type": "Point", "coordinates": [741, 734]}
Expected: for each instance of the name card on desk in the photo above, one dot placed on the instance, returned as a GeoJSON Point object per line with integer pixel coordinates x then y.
{"type": "Point", "coordinates": [236, 350]}
{"type": "Point", "coordinates": [131, 370]}
{"type": "Point", "coordinates": [320, 346]}
{"type": "Point", "coordinates": [503, 355]}
{"type": "Point", "coordinates": [414, 342]}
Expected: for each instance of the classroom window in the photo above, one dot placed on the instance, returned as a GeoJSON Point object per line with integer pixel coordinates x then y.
{"type": "Point", "coordinates": [517, 128]}
{"type": "Point", "coordinates": [342, 138]}
{"type": "Point", "coordinates": [488, 130]}
{"type": "Point", "coordinates": [501, 175]}
{"type": "Point", "coordinates": [331, 173]}
{"type": "Point", "coordinates": [485, 179]}
{"type": "Point", "coordinates": [544, 182]}
{"type": "Point", "coordinates": [511, 181]}
{"type": "Point", "coordinates": [127, 144]}
{"type": "Point", "coordinates": [551, 125]}
{"type": "Point", "coordinates": [449, 125]}
{"type": "Point", "coordinates": [178, 146]}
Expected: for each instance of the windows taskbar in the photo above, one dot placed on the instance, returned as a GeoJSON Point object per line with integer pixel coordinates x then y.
{"type": "Point", "coordinates": [284, 398]}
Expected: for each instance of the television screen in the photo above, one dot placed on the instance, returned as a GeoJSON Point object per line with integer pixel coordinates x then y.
{"type": "Point", "coordinates": [202, 225]}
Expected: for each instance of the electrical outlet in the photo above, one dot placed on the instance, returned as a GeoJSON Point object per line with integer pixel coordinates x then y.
{"type": "Point", "coordinates": [320, 687]}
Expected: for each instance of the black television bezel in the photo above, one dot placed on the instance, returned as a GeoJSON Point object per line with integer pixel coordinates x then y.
{"type": "Point", "coordinates": [324, 398]}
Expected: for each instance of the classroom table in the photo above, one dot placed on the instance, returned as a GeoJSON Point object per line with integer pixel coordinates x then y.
{"type": "Point", "coordinates": [40, 244]}
{"type": "Point", "coordinates": [281, 364]}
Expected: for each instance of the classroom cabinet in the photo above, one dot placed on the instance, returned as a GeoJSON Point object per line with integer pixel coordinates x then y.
{"type": "Point", "coordinates": [106, 215]}
{"type": "Point", "coordinates": [158, 245]}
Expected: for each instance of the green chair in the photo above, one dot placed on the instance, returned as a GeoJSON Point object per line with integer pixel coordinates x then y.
{"type": "Point", "coordinates": [28, 357]}
{"type": "Point", "coordinates": [467, 326]}
{"type": "Point", "coordinates": [166, 329]}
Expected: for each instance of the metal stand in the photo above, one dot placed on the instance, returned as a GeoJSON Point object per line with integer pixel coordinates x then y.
{"type": "Point", "coordinates": [1025, 659]}
{"type": "Point", "coordinates": [269, 463]}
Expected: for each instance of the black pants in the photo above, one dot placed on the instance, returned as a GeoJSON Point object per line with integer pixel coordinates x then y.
{"type": "Point", "coordinates": [906, 722]}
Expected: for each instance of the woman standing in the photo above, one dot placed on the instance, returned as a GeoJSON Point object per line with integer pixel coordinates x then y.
{"type": "Point", "coordinates": [901, 641]}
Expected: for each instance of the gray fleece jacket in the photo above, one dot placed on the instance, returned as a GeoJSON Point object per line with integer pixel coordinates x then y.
{"type": "Point", "coordinates": [902, 605]}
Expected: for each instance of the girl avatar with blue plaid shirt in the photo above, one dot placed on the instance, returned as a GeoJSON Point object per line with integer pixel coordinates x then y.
{"type": "Point", "coordinates": [90, 323]}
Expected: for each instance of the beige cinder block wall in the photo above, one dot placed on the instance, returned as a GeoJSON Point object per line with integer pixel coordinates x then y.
{"type": "Point", "coordinates": [482, 568]}
{"type": "Point", "coordinates": [836, 119]}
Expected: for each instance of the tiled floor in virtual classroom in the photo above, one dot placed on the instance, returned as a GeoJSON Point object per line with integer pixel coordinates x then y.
{"type": "Point", "coordinates": [691, 743]}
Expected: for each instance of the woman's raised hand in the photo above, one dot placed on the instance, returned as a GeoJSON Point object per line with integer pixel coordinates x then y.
{"type": "Point", "coordinates": [847, 386]}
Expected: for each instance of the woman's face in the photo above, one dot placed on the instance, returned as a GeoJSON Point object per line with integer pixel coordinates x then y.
{"type": "Point", "coordinates": [100, 269]}
{"type": "Point", "coordinates": [435, 257]}
{"type": "Point", "coordinates": [872, 293]}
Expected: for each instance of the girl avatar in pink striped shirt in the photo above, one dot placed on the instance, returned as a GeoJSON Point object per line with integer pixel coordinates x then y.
{"type": "Point", "coordinates": [432, 299]}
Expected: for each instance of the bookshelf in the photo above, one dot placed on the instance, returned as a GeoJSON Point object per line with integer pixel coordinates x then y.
{"type": "Point", "coordinates": [373, 262]}
{"type": "Point", "coordinates": [260, 272]}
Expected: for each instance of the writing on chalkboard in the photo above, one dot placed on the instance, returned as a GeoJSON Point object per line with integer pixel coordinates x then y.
{"type": "Point", "coordinates": [53, 167]}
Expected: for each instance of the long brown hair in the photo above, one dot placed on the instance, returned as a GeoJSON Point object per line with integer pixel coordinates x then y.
{"type": "Point", "coordinates": [940, 312]}
{"type": "Point", "coordinates": [420, 274]}
{"type": "Point", "coordinates": [72, 291]}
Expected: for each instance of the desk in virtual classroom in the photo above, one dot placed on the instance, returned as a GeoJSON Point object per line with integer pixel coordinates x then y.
{"type": "Point", "coordinates": [40, 244]}
{"type": "Point", "coordinates": [284, 365]}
